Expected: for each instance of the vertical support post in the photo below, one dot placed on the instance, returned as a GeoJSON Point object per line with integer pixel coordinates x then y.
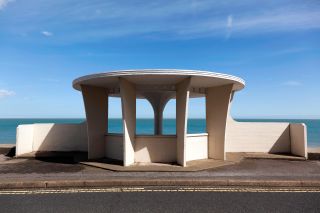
{"type": "Point", "coordinates": [96, 107]}
{"type": "Point", "coordinates": [182, 96]}
{"type": "Point", "coordinates": [128, 102]}
{"type": "Point", "coordinates": [217, 109]}
{"type": "Point", "coordinates": [158, 100]}
{"type": "Point", "coordinates": [158, 117]}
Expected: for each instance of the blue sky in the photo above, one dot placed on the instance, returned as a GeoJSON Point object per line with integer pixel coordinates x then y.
{"type": "Point", "coordinates": [274, 45]}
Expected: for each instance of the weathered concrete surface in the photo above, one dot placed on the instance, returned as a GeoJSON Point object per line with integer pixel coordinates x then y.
{"type": "Point", "coordinates": [191, 166]}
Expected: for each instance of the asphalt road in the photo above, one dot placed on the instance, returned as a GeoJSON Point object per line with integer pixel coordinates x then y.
{"type": "Point", "coordinates": [156, 201]}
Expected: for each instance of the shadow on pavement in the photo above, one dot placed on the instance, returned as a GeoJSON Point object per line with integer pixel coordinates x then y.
{"type": "Point", "coordinates": [61, 157]}
{"type": "Point", "coordinates": [11, 152]}
{"type": "Point", "coordinates": [314, 156]}
{"type": "Point", "coordinates": [60, 160]}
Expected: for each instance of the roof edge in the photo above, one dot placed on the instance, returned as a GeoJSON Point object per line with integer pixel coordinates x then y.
{"type": "Point", "coordinates": [77, 81]}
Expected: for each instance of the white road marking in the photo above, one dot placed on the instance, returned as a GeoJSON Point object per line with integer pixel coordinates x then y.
{"type": "Point", "coordinates": [149, 189]}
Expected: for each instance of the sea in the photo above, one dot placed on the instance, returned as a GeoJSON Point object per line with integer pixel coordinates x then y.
{"type": "Point", "coordinates": [145, 126]}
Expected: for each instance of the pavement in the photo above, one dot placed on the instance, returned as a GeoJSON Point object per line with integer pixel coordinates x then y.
{"type": "Point", "coordinates": [192, 166]}
{"type": "Point", "coordinates": [50, 172]}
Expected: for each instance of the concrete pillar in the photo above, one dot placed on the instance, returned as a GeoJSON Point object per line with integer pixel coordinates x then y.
{"type": "Point", "coordinates": [158, 100]}
{"type": "Point", "coordinates": [96, 107]}
{"type": "Point", "coordinates": [217, 108]}
{"type": "Point", "coordinates": [182, 96]}
{"type": "Point", "coordinates": [158, 118]}
{"type": "Point", "coordinates": [128, 102]}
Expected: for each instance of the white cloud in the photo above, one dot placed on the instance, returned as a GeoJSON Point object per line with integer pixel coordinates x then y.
{"type": "Point", "coordinates": [229, 26]}
{"type": "Point", "coordinates": [3, 3]}
{"type": "Point", "coordinates": [292, 83]}
{"type": "Point", "coordinates": [280, 21]}
{"type": "Point", "coordinates": [5, 93]}
{"type": "Point", "coordinates": [47, 33]}
{"type": "Point", "coordinates": [182, 19]}
{"type": "Point", "coordinates": [229, 21]}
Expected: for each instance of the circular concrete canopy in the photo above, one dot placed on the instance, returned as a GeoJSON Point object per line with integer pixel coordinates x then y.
{"type": "Point", "coordinates": [159, 80]}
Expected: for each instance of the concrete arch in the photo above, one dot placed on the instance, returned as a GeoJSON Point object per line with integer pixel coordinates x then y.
{"type": "Point", "coordinates": [169, 117]}
{"type": "Point", "coordinates": [158, 101]}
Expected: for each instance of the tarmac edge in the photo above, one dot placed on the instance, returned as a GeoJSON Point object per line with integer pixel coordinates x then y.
{"type": "Point", "coordinates": [51, 184]}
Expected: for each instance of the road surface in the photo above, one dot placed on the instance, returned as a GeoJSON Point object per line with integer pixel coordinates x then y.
{"type": "Point", "coordinates": [161, 199]}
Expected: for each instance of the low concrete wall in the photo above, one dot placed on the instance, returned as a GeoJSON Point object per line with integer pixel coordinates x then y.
{"type": "Point", "coordinates": [258, 137]}
{"type": "Point", "coordinates": [51, 137]}
{"type": "Point", "coordinates": [298, 135]}
{"type": "Point", "coordinates": [24, 139]}
{"type": "Point", "coordinates": [156, 148]}
{"type": "Point", "coordinates": [114, 146]}
{"type": "Point", "coordinates": [197, 146]}
{"type": "Point", "coordinates": [266, 137]}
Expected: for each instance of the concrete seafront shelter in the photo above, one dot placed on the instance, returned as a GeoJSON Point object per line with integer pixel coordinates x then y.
{"type": "Point", "coordinates": [158, 87]}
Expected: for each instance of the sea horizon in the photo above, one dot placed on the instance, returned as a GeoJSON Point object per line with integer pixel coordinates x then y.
{"type": "Point", "coordinates": [145, 126]}
{"type": "Point", "coordinates": [274, 118]}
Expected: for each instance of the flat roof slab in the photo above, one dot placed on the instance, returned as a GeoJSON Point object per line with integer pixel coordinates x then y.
{"type": "Point", "coordinates": [159, 80]}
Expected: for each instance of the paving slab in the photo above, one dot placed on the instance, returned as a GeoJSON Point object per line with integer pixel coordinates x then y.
{"type": "Point", "coordinates": [192, 166]}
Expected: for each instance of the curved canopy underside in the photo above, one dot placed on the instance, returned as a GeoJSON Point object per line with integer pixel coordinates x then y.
{"type": "Point", "coordinates": [159, 81]}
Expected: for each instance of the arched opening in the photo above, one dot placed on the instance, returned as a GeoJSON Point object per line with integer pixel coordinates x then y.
{"type": "Point", "coordinates": [169, 118]}
{"type": "Point", "coordinates": [145, 117]}
{"type": "Point", "coordinates": [115, 115]}
{"type": "Point", "coordinates": [197, 115]}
